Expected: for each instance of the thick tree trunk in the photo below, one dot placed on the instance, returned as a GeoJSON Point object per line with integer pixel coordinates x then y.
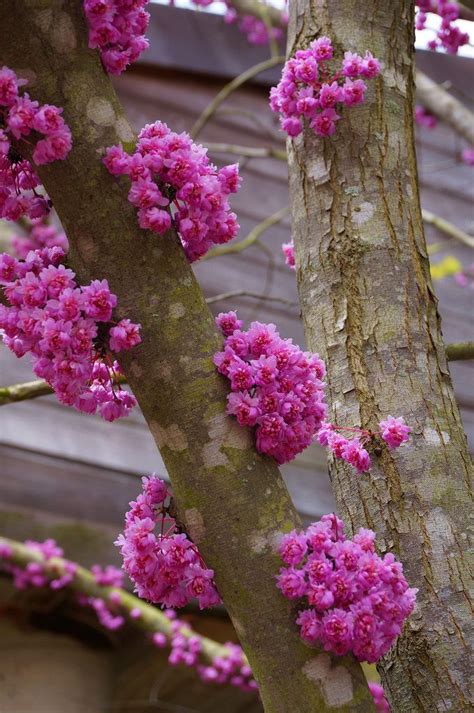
{"type": "Point", "coordinates": [233, 501]}
{"type": "Point", "coordinates": [369, 308]}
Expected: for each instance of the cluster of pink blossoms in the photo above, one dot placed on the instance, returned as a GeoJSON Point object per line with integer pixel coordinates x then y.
{"type": "Point", "coordinates": [425, 118]}
{"type": "Point", "coordinates": [289, 253]}
{"type": "Point", "coordinates": [38, 574]}
{"type": "Point", "coordinates": [33, 575]}
{"type": "Point", "coordinates": [309, 89]}
{"type": "Point", "coordinates": [358, 601]}
{"type": "Point", "coordinates": [117, 29]}
{"type": "Point", "coordinates": [231, 669]}
{"type": "Point", "coordinates": [256, 31]}
{"type": "Point", "coordinates": [185, 648]}
{"type": "Point", "coordinates": [39, 235]}
{"type": "Point", "coordinates": [276, 387]}
{"type": "Point", "coordinates": [67, 330]}
{"type": "Point", "coordinates": [165, 567]}
{"type": "Point", "coordinates": [393, 431]}
{"type": "Point", "coordinates": [26, 121]}
{"type": "Point", "coordinates": [448, 35]}
{"type": "Point", "coordinates": [173, 181]}
{"type": "Point", "coordinates": [468, 156]}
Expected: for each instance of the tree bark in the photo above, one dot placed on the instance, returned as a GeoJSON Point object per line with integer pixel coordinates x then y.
{"type": "Point", "coordinates": [369, 307]}
{"type": "Point", "coordinates": [233, 501]}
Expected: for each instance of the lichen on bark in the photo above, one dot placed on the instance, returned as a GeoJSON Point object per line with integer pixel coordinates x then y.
{"type": "Point", "coordinates": [368, 306]}
{"type": "Point", "coordinates": [230, 489]}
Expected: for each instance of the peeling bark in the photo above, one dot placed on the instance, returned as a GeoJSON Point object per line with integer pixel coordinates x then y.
{"type": "Point", "coordinates": [224, 488]}
{"type": "Point", "coordinates": [370, 310]}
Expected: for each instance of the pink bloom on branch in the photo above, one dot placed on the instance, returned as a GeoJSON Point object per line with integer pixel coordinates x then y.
{"type": "Point", "coordinates": [125, 335]}
{"type": "Point", "coordinates": [352, 600]}
{"type": "Point", "coordinates": [468, 156]}
{"type": "Point", "coordinates": [324, 124]}
{"type": "Point", "coordinates": [308, 89]}
{"type": "Point", "coordinates": [275, 387]}
{"type": "Point", "coordinates": [355, 454]}
{"type": "Point", "coordinates": [394, 431]}
{"type": "Point", "coordinates": [289, 253]}
{"type": "Point", "coordinates": [378, 694]}
{"type": "Point", "coordinates": [174, 183]}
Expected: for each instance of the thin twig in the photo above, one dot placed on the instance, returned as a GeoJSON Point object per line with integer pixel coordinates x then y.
{"type": "Point", "coordinates": [273, 132]}
{"type": "Point", "coordinates": [32, 389]}
{"type": "Point", "coordinates": [459, 351]}
{"type": "Point", "coordinates": [227, 90]}
{"type": "Point", "coordinates": [254, 234]}
{"type": "Point", "coordinates": [247, 293]}
{"type": "Point", "coordinates": [445, 106]}
{"type": "Point", "coordinates": [248, 151]}
{"type": "Point", "coordinates": [447, 227]}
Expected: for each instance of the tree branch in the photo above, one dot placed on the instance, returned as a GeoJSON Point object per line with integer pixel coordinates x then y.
{"type": "Point", "coordinates": [151, 618]}
{"type": "Point", "coordinates": [232, 500]}
{"type": "Point", "coordinates": [252, 237]}
{"type": "Point", "coordinates": [450, 110]}
{"type": "Point", "coordinates": [446, 227]}
{"type": "Point", "coordinates": [459, 351]}
{"type": "Point", "coordinates": [248, 151]}
{"type": "Point", "coordinates": [227, 90]}
{"type": "Point", "coordinates": [372, 313]}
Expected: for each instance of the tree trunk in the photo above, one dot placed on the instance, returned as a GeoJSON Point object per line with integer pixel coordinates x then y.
{"type": "Point", "coordinates": [233, 501]}
{"type": "Point", "coordinates": [369, 307]}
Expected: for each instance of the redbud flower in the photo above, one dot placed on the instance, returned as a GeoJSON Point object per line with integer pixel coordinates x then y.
{"type": "Point", "coordinates": [55, 320]}
{"type": "Point", "coordinates": [307, 90]}
{"type": "Point", "coordinates": [174, 184]}
{"type": "Point", "coordinates": [165, 567]}
{"type": "Point", "coordinates": [276, 387]}
{"type": "Point", "coordinates": [19, 116]}
{"type": "Point", "coordinates": [117, 29]}
{"type": "Point", "coordinates": [351, 599]}
{"type": "Point", "coordinates": [394, 431]}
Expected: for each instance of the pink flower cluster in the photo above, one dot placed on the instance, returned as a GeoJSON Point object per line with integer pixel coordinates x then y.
{"type": "Point", "coordinates": [393, 431]}
{"type": "Point", "coordinates": [289, 253]}
{"type": "Point", "coordinates": [186, 649]}
{"type": "Point", "coordinates": [378, 694]}
{"type": "Point", "coordinates": [276, 387]}
{"type": "Point", "coordinates": [24, 120]}
{"type": "Point", "coordinates": [425, 118]}
{"type": "Point", "coordinates": [39, 235]}
{"type": "Point", "coordinates": [109, 576]}
{"type": "Point", "coordinates": [256, 31]}
{"type": "Point", "coordinates": [165, 567]}
{"type": "Point", "coordinates": [65, 327]}
{"type": "Point", "coordinates": [117, 29]}
{"type": "Point", "coordinates": [231, 669]}
{"type": "Point", "coordinates": [173, 182]}
{"type": "Point", "coordinates": [33, 575]}
{"type": "Point", "coordinates": [358, 601]}
{"type": "Point", "coordinates": [38, 574]}
{"type": "Point", "coordinates": [468, 156]}
{"type": "Point", "coordinates": [448, 35]}
{"type": "Point", "coordinates": [309, 89]}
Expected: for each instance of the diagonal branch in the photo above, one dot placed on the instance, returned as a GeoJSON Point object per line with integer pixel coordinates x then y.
{"type": "Point", "coordinates": [252, 237]}
{"type": "Point", "coordinates": [445, 106]}
{"type": "Point", "coordinates": [151, 618]}
{"type": "Point", "coordinates": [227, 90]}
